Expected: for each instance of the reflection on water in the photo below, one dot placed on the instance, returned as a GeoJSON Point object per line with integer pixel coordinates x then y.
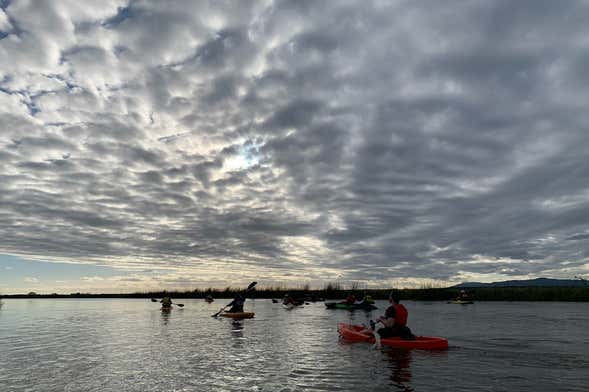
{"type": "Point", "coordinates": [53, 345]}
{"type": "Point", "coordinates": [237, 328]}
{"type": "Point", "coordinates": [165, 312]}
{"type": "Point", "coordinates": [400, 365]}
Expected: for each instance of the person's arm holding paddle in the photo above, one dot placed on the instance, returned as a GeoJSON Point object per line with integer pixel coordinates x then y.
{"type": "Point", "coordinates": [235, 303]}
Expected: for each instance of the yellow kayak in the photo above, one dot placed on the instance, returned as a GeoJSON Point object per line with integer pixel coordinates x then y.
{"type": "Point", "coordinates": [240, 315]}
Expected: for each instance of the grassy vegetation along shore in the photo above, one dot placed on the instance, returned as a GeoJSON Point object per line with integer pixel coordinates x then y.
{"type": "Point", "coordinates": [336, 292]}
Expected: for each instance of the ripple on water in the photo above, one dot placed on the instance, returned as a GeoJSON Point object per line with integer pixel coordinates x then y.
{"type": "Point", "coordinates": [129, 345]}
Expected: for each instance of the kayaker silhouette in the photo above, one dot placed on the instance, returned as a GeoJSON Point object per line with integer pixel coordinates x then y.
{"type": "Point", "coordinates": [350, 300]}
{"type": "Point", "coordinates": [463, 296]}
{"type": "Point", "coordinates": [393, 323]}
{"type": "Point", "coordinates": [166, 302]}
{"type": "Point", "coordinates": [237, 304]}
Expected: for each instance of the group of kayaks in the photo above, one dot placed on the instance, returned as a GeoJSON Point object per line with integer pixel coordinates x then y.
{"type": "Point", "coordinates": [233, 315]}
{"type": "Point", "coordinates": [355, 333]}
{"type": "Point", "coordinates": [356, 306]}
{"type": "Point", "coordinates": [348, 332]}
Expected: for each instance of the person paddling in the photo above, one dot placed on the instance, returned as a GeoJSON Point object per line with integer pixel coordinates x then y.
{"type": "Point", "coordinates": [350, 300]}
{"type": "Point", "coordinates": [367, 299]}
{"type": "Point", "coordinates": [237, 304]}
{"type": "Point", "coordinates": [166, 302]}
{"type": "Point", "coordinates": [463, 296]}
{"type": "Point", "coordinates": [288, 300]}
{"type": "Point", "coordinates": [394, 322]}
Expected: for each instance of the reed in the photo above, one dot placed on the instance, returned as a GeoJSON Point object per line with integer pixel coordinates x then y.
{"type": "Point", "coordinates": [428, 291]}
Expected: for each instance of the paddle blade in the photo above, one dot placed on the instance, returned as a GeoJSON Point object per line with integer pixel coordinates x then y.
{"type": "Point", "coordinates": [180, 305]}
{"type": "Point", "coordinates": [219, 312]}
{"type": "Point", "coordinates": [251, 286]}
{"type": "Point", "coordinates": [153, 300]}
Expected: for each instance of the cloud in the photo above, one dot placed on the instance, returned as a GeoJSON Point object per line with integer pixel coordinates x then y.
{"type": "Point", "coordinates": [91, 278]}
{"type": "Point", "coordinates": [309, 141]}
{"type": "Point", "coordinates": [31, 280]}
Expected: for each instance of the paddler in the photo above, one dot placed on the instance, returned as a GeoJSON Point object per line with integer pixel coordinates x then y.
{"type": "Point", "coordinates": [289, 300]}
{"type": "Point", "coordinates": [237, 304]}
{"type": "Point", "coordinates": [463, 296]}
{"type": "Point", "coordinates": [350, 300]}
{"type": "Point", "coordinates": [367, 299]}
{"type": "Point", "coordinates": [394, 321]}
{"type": "Point", "coordinates": [166, 302]}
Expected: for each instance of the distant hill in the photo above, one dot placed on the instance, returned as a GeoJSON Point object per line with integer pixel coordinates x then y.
{"type": "Point", "coordinates": [538, 282]}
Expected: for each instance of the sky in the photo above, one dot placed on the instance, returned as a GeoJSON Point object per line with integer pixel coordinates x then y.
{"type": "Point", "coordinates": [192, 144]}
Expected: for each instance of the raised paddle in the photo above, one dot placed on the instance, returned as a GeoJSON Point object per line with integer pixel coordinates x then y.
{"type": "Point", "coordinates": [251, 286]}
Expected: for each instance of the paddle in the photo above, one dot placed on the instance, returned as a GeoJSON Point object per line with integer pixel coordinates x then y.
{"type": "Point", "coordinates": [251, 286]}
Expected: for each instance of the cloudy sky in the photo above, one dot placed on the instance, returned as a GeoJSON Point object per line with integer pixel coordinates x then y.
{"type": "Point", "coordinates": [183, 144]}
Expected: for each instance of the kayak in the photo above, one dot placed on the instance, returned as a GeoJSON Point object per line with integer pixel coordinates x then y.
{"type": "Point", "coordinates": [313, 299]}
{"type": "Point", "coordinates": [459, 302]}
{"type": "Point", "coordinates": [240, 315]}
{"type": "Point", "coordinates": [209, 300]}
{"type": "Point", "coordinates": [166, 308]}
{"type": "Point", "coordinates": [362, 306]}
{"type": "Point", "coordinates": [352, 333]}
{"type": "Point", "coordinates": [292, 306]}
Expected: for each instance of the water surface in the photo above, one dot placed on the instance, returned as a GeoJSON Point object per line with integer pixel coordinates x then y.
{"type": "Point", "coordinates": [130, 345]}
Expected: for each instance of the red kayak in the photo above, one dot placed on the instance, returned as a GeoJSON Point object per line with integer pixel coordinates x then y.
{"type": "Point", "coordinates": [351, 333]}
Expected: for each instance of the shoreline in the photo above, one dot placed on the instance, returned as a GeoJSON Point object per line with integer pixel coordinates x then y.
{"type": "Point", "coordinates": [542, 294]}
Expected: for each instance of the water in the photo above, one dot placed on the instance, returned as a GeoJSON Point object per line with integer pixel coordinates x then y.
{"type": "Point", "coordinates": [130, 345]}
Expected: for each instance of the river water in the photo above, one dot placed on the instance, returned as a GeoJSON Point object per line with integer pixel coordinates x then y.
{"type": "Point", "coordinates": [130, 345]}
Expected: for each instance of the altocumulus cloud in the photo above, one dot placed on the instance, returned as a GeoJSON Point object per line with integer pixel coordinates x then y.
{"type": "Point", "coordinates": [297, 140]}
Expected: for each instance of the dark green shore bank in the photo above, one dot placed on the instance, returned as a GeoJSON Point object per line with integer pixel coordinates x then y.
{"type": "Point", "coordinates": [570, 294]}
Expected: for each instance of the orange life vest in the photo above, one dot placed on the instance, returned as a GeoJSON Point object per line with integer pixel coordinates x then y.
{"type": "Point", "coordinates": [400, 315]}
